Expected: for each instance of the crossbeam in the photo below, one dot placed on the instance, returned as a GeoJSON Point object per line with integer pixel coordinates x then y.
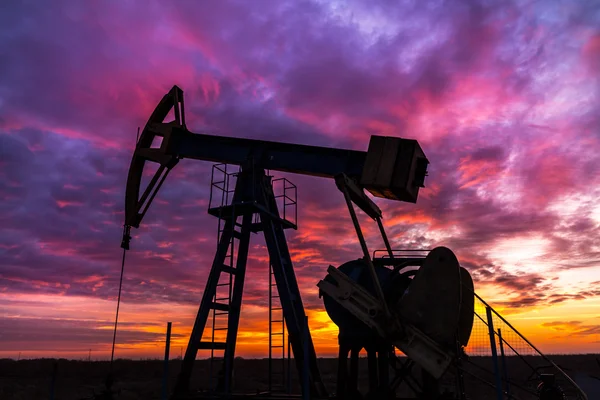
{"type": "Point", "coordinates": [301, 159]}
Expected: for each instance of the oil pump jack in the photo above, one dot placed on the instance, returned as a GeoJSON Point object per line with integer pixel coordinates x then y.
{"type": "Point", "coordinates": [376, 307]}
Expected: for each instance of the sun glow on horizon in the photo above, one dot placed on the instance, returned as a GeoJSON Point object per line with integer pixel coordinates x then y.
{"type": "Point", "coordinates": [502, 98]}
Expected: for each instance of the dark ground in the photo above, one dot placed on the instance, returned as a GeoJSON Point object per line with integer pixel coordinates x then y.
{"type": "Point", "coordinates": [31, 379]}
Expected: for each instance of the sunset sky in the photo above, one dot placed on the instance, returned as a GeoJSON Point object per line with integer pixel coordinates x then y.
{"type": "Point", "coordinates": [503, 96]}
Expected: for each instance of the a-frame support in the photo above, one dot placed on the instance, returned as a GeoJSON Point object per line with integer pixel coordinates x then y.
{"type": "Point", "coordinates": [253, 195]}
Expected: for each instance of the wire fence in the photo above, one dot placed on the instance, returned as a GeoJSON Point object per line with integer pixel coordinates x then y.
{"type": "Point", "coordinates": [501, 363]}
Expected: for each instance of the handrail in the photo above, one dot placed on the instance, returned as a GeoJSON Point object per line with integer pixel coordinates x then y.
{"type": "Point", "coordinates": [564, 374]}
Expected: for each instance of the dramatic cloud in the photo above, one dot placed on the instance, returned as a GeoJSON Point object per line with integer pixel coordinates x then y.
{"type": "Point", "coordinates": [503, 96]}
{"type": "Point", "coordinates": [573, 328]}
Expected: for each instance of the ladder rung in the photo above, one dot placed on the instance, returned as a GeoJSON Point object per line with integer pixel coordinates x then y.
{"type": "Point", "coordinates": [276, 333]}
{"type": "Point", "coordinates": [220, 329]}
{"type": "Point", "coordinates": [223, 284]}
{"type": "Point", "coordinates": [219, 306]}
{"type": "Point", "coordinates": [212, 345]}
{"type": "Point", "coordinates": [276, 308]}
{"type": "Point", "coordinates": [275, 321]}
{"type": "Point", "coordinates": [228, 269]}
{"type": "Point", "coordinates": [221, 313]}
{"type": "Point", "coordinates": [221, 298]}
{"type": "Point", "coordinates": [237, 234]}
{"type": "Point", "coordinates": [276, 347]}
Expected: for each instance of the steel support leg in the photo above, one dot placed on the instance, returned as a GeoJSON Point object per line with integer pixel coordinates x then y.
{"type": "Point", "coordinates": [352, 388]}
{"type": "Point", "coordinates": [236, 299]}
{"type": "Point", "coordinates": [242, 192]}
{"type": "Point", "coordinates": [183, 380]}
{"type": "Point", "coordinates": [342, 373]}
{"type": "Point", "coordinates": [383, 367]}
{"type": "Point", "coordinates": [287, 286]}
{"type": "Point", "coordinates": [372, 370]}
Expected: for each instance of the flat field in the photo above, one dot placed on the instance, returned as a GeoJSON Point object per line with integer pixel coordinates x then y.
{"type": "Point", "coordinates": [142, 379]}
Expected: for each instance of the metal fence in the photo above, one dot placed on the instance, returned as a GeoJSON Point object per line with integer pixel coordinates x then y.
{"type": "Point", "coordinates": [501, 363]}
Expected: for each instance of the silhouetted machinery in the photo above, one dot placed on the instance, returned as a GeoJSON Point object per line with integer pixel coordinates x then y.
{"type": "Point", "coordinates": [419, 303]}
{"type": "Point", "coordinates": [548, 389]}
{"type": "Point", "coordinates": [429, 317]}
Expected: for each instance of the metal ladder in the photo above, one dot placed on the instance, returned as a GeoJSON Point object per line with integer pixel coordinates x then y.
{"type": "Point", "coordinates": [221, 302]}
{"type": "Point", "coordinates": [277, 366]}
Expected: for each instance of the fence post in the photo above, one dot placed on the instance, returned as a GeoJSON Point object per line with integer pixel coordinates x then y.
{"type": "Point", "coordinates": [289, 366]}
{"type": "Point", "coordinates": [166, 370]}
{"type": "Point", "coordinates": [488, 311]}
{"type": "Point", "coordinates": [504, 367]}
{"type": "Point", "coordinates": [53, 379]}
{"type": "Point", "coordinates": [305, 379]}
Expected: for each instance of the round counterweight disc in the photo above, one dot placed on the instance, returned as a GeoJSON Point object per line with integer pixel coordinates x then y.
{"type": "Point", "coordinates": [432, 301]}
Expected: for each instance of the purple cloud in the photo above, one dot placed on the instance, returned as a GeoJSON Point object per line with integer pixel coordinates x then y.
{"type": "Point", "coordinates": [503, 98]}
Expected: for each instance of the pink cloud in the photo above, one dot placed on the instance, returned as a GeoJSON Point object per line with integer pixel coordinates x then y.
{"type": "Point", "coordinates": [494, 94]}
